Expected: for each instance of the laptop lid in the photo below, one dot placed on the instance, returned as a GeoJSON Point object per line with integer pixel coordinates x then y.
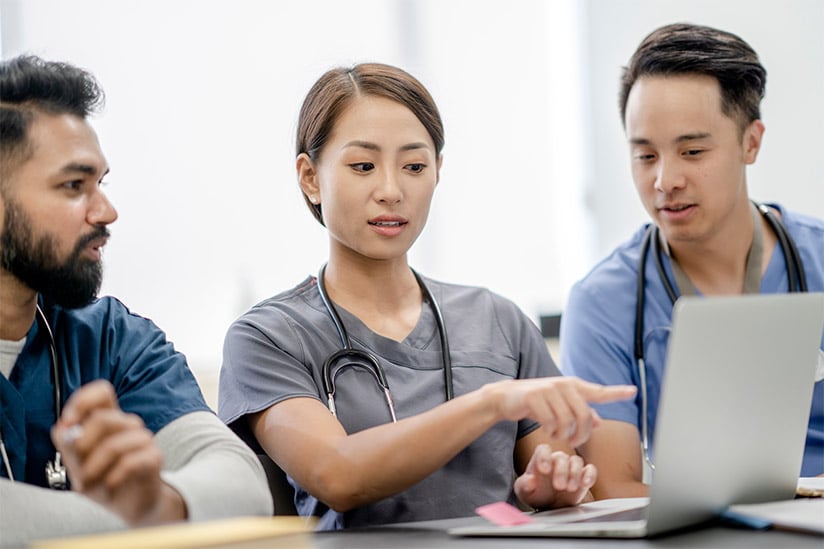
{"type": "Point", "coordinates": [732, 419]}
{"type": "Point", "coordinates": [735, 403]}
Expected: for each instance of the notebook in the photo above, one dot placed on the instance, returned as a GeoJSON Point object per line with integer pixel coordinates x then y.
{"type": "Point", "coordinates": [732, 420]}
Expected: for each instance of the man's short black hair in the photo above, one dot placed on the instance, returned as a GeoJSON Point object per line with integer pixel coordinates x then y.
{"type": "Point", "coordinates": [684, 48]}
{"type": "Point", "coordinates": [28, 85]}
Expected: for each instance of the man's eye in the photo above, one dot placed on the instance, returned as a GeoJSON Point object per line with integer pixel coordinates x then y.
{"type": "Point", "coordinates": [362, 166]}
{"type": "Point", "coordinates": [694, 152]}
{"type": "Point", "coordinates": [73, 185]}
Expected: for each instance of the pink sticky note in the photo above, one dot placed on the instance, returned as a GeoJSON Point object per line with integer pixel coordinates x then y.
{"type": "Point", "coordinates": [503, 514]}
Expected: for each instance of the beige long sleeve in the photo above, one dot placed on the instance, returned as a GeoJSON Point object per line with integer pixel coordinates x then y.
{"type": "Point", "coordinates": [215, 472]}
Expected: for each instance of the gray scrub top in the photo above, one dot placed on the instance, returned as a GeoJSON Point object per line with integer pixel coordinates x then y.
{"type": "Point", "coordinates": [277, 349]}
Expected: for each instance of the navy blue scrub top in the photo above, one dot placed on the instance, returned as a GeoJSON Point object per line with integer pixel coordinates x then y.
{"type": "Point", "coordinates": [101, 341]}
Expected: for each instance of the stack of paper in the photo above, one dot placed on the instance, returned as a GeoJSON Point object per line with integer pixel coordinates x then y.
{"type": "Point", "coordinates": [804, 514]}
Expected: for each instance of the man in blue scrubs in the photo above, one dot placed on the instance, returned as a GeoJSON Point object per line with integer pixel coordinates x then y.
{"type": "Point", "coordinates": [85, 383]}
{"type": "Point", "coordinates": [690, 102]}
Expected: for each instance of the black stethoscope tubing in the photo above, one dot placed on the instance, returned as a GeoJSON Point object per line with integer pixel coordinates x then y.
{"type": "Point", "coordinates": [55, 470]}
{"type": "Point", "coordinates": [371, 361]}
{"type": "Point", "coordinates": [795, 274]}
{"type": "Point", "coordinates": [58, 402]}
{"type": "Point", "coordinates": [795, 269]}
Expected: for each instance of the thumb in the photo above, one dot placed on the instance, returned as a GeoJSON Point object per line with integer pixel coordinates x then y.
{"type": "Point", "coordinates": [541, 460]}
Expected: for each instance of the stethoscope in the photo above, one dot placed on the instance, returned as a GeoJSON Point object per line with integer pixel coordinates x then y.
{"type": "Point", "coordinates": [367, 360]}
{"type": "Point", "coordinates": [55, 470]}
{"type": "Point", "coordinates": [795, 274]}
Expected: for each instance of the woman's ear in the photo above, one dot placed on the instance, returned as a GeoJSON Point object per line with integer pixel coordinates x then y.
{"type": "Point", "coordinates": [438, 169]}
{"type": "Point", "coordinates": [308, 178]}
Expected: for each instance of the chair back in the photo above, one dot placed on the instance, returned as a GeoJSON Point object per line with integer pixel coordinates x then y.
{"type": "Point", "coordinates": [283, 494]}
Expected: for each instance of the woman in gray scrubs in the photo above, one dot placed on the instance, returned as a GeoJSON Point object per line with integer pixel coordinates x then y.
{"type": "Point", "coordinates": [415, 433]}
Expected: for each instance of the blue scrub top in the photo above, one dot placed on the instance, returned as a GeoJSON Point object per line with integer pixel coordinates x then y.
{"type": "Point", "coordinates": [598, 326]}
{"type": "Point", "coordinates": [101, 341]}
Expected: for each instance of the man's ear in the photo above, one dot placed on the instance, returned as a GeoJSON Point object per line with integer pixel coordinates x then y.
{"type": "Point", "coordinates": [753, 135]}
{"type": "Point", "coordinates": [308, 178]}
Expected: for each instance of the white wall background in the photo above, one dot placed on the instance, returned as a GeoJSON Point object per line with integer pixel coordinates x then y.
{"type": "Point", "coordinates": [788, 36]}
{"type": "Point", "coordinates": [203, 96]}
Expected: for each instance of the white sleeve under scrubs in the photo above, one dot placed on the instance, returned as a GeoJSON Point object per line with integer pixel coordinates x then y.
{"type": "Point", "coordinates": [212, 469]}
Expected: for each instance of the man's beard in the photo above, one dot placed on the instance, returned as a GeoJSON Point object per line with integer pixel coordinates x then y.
{"type": "Point", "coordinates": [34, 261]}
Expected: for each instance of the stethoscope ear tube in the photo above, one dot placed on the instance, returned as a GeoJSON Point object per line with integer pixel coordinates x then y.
{"type": "Point", "coordinates": [371, 362]}
{"type": "Point", "coordinates": [639, 297]}
{"type": "Point", "coordinates": [639, 340]}
{"type": "Point", "coordinates": [445, 359]}
{"type": "Point", "coordinates": [56, 475]}
{"type": "Point", "coordinates": [58, 400]}
{"type": "Point", "coordinates": [797, 280]}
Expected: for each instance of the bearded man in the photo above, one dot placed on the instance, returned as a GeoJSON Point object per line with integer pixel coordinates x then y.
{"type": "Point", "coordinates": [102, 424]}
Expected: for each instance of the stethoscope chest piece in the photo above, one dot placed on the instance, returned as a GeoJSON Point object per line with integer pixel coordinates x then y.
{"type": "Point", "coordinates": [56, 474]}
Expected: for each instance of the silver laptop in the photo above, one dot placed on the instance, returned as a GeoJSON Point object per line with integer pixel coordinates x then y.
{"type": "Point", "coordinates": [732, 420]}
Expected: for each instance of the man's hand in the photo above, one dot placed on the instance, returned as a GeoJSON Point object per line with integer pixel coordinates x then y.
{"type": "Point", "coordinates": [554, 479]}
{"type": "Point", "coordinates": [111, 457]}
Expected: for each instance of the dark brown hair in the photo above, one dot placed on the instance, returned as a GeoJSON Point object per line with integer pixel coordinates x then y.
{"type": "Point", "coordinates": [334, 91]}
{"type": "Point", "coordinates": [684, 48]}
{"type": "Point", "coordinates": [29, 84]}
